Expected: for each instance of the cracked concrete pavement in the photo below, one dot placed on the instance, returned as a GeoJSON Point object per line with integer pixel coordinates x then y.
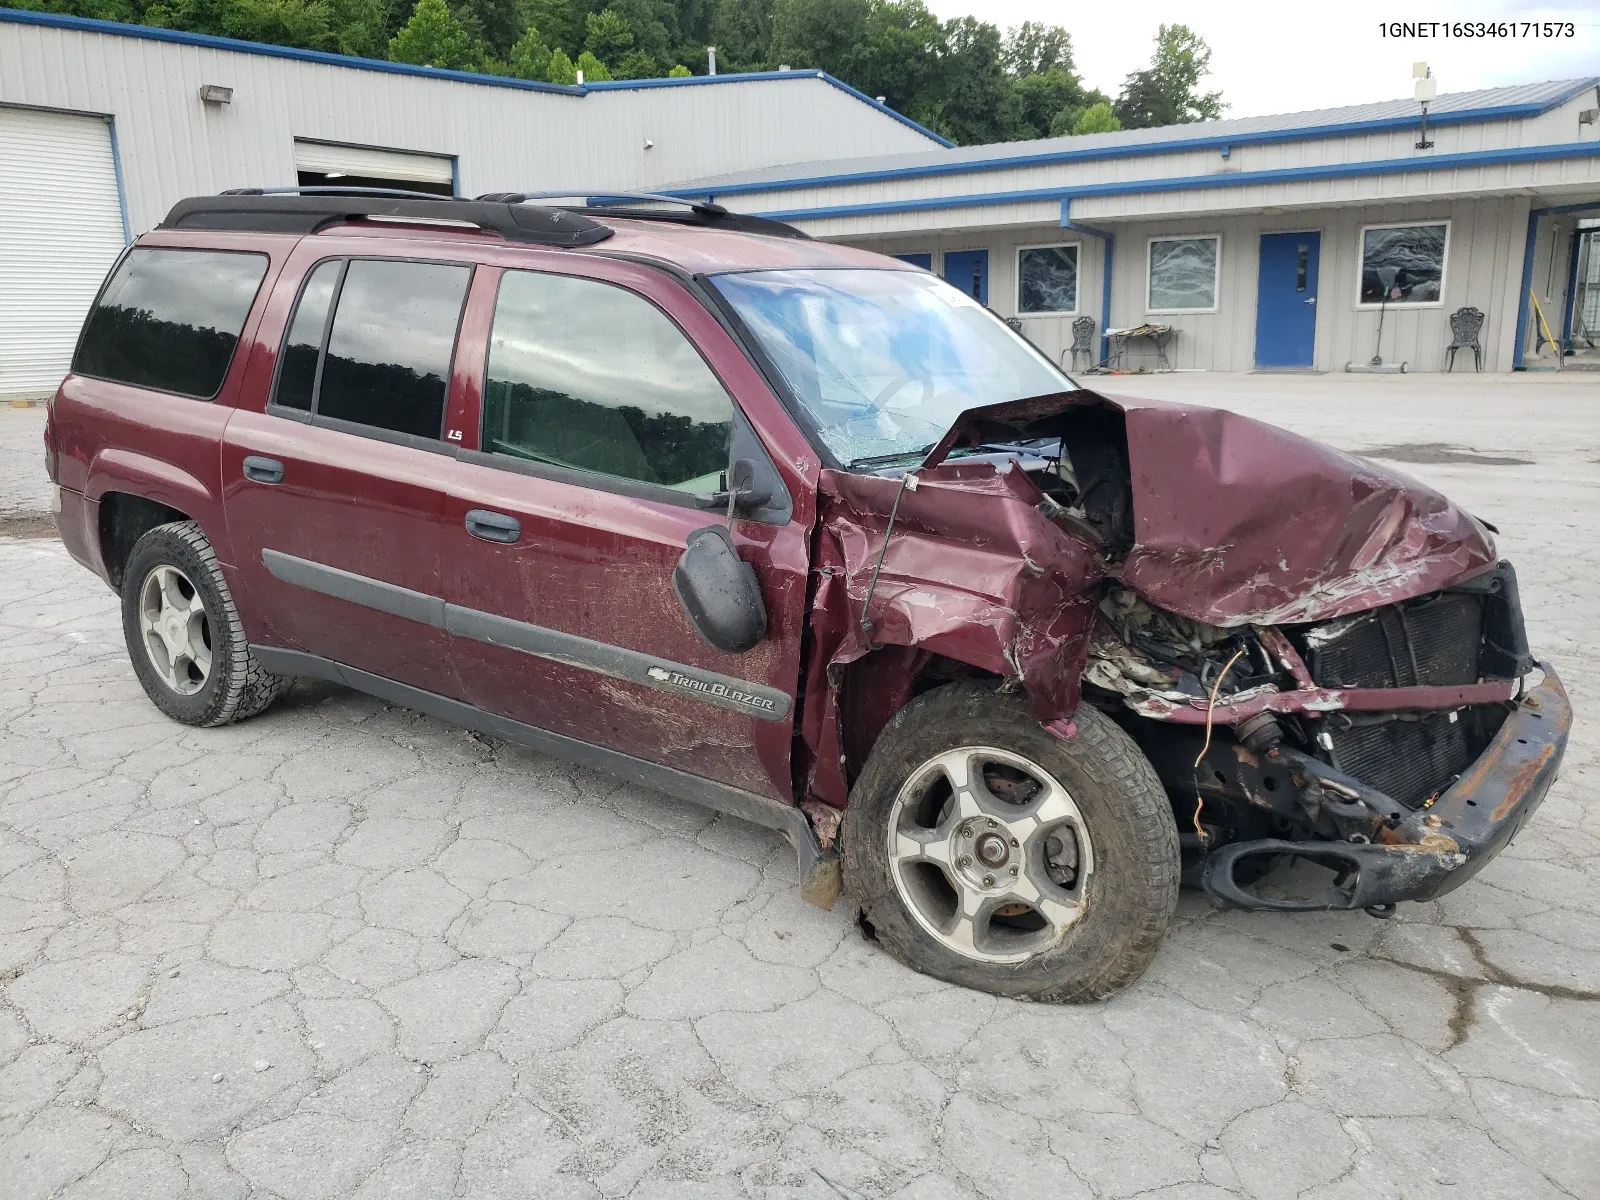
{"type": "Point", "coordinates": [345, 950]}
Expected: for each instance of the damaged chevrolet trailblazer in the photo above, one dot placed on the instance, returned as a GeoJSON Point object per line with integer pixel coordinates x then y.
{"type": "Point", "coordinates": [808, 536]}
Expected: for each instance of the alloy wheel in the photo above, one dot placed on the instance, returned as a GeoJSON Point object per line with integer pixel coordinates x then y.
{"type": "Point", "coordinates": [175, 629]}
{"type": "Point", "coordinates": [989, 853]}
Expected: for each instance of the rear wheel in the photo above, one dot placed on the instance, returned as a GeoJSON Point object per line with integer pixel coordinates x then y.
{"type": "Point", "coordinates": [988, 852]}
{"type": "Point", "coordinates": [184, 636]}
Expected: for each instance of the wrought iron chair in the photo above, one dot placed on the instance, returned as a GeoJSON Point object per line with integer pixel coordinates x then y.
{"type": "Point", "coordinates": [1465, 324]}
{"type": "Point", "coordinates": [1083, 341]}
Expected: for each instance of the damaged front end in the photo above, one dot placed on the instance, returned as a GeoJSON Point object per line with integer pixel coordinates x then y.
{"type": "Point", "coordinates": [1320, 657]}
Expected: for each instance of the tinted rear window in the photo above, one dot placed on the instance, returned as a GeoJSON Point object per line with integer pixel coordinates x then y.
{"type": "Point", "coordinates": [170, 319]}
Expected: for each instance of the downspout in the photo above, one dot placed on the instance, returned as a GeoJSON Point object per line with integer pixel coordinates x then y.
{"type": "Point", "coordinates": [1534, 217]}
{"type": "Point", "coordinates": [1109, 241]}
{"type": "Point", "coordinates": [1572, 288]}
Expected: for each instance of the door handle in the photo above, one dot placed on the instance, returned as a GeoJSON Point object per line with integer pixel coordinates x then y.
{"type": "Point", "coordinates": [263, 470]}
{"type": "Point", "coordinates": [1311, 299]}
{"type": "Point", "coordinates": [493, 526]}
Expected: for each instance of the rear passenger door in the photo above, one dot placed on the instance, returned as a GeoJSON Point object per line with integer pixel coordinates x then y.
{"type": "Point", "coordinates": [335, 487]}
{"type": "Point", "coordinates": [603, 428]}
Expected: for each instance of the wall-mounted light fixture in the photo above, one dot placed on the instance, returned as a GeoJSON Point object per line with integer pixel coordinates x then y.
{"type": "Point", "coordinates": [215, 93]}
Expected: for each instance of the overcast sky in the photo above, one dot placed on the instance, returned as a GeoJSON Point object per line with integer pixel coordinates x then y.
{"type": "Point", "coordinates": [1277, 57]}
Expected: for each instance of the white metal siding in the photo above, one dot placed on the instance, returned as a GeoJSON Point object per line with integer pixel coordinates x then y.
{"type": "Point", "coordinates": [504, 139]}
{"type": "Point", "coordinates": [60, 231]}
{"type": "Point", "coordinates": [1483, 268]}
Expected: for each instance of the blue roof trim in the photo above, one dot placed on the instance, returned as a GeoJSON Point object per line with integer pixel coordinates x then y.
{"type": "Point", "coordinates": [19, 16]}
{"type": "Point", "coordinates": [1181, 183]}
{"type": "Point", "coordinates": [617, 85]}
{"type": "Point", "coordinates": [1466, 116]}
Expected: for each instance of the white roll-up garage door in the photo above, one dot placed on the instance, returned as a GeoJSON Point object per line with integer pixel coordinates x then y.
{"type": "Point", "coordinates": [363, 162]}
{"type": "Point", "coordinates": [60, 231]}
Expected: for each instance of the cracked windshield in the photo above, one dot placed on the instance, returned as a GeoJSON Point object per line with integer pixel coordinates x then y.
{"type": "Point", "coordinates": [884, 361]}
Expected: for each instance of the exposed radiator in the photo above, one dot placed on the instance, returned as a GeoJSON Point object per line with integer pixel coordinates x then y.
{"type": "Point", "coordinates": [1433, 642]}
{"type": "Point", "coordinates": [1436, 641]}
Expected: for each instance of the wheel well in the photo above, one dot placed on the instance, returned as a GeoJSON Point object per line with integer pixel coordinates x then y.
{"type": "Point", "coordinates": [881, 684]}
{"type": "Point", "coordinates": [124, 519]}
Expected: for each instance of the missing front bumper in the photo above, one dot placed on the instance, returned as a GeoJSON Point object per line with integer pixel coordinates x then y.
{"type": "Point", "coordinates": [1432, 850]}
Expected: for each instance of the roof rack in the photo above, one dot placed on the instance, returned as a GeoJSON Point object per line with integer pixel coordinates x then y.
{"type": "Point", "coordinates": [310, 209]}
{"type": "Point", "coordinates": [626, 204]}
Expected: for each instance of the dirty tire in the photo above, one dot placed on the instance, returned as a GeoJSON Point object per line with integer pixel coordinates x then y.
{"type": "Point", "coordinates": [1128, 898]}
{"type": "Point", "coordinates": [236, 685]}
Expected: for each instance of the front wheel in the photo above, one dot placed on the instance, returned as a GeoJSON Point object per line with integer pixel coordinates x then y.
{"type": "Point", "coordinates": [987, 852]}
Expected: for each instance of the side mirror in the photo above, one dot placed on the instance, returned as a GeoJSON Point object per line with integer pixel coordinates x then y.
{"type": "Point", "coordinates": [719, 591]}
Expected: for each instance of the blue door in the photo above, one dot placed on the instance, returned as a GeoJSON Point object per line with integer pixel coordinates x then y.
{"type": "Point", "coordinates": [925, 261]}
{"type": "Point", "coordinates": [1286, 300]}
{"type": "Point", "coordinates": [969, 271]}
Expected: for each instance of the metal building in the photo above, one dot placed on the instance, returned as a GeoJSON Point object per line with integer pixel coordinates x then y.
{"type": "Point", "coordinates": [1269, 242]}
{"type": "Point", "coordinates": [104, 126]}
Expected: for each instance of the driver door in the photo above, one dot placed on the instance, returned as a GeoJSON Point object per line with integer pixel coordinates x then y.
{"type": "Point", "coordinates": [610, 402]}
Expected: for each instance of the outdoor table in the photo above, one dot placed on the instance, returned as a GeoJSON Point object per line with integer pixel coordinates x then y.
{"type": "Point", "coordinates": [1157, 335]}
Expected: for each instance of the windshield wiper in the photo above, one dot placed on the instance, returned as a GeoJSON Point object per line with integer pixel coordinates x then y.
{"type": "Point", "coordinates": [878, 460]}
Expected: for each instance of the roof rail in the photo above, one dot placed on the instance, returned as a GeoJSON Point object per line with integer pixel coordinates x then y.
{"type": "Point", "coordinates": [626, 204]}
{"type": "Point", "coordinates": [611, 200]}
{"type": "Point", "coordinates": [310, 209]}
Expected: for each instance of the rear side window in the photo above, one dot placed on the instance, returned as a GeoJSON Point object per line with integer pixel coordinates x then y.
{"type": "Point", "coordinates": [170, 319]}
{"type": "Point", "coordinates": [588, 376]}
{"type": "Point", "coordinates": [385, 361]}
{"type": "Point", "coordinates": [297, 377]}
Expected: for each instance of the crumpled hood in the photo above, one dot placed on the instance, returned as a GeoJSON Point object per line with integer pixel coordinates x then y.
{"type": "Point", "coordinates": [1239, 522]}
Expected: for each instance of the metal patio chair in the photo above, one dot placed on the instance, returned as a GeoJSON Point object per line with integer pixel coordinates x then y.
{"type": "Point", "coordinates": [1465, 323]}
{"type": "Point", "coordinates": [1083, 341]}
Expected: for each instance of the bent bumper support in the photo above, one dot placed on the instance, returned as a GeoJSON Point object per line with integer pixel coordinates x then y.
{"type": "Point", "coordinates": [1431, 850]}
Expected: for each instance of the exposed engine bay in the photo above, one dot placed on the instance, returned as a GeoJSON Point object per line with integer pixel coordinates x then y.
{"type": "Point", "coordinates": [1310, 650]}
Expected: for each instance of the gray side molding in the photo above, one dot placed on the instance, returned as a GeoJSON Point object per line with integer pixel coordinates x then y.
{"type": "Point", "coordinates": [358, 589]}
{"type": "Point", "coordinates": [820, 877]}
{"type": "Point", "coordinates": [633, 666]}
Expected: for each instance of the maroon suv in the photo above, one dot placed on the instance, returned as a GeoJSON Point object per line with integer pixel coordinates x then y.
{"type": "Point", "coordinates": [806, 535]}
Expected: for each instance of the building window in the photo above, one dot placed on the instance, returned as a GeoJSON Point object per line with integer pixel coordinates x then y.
{"type": "Point", "coordinates": [1183, 274]}
{"type": "Point", "coordinates": [1047, 279]}
{"type": "Point", "coordinates": [1404, 263]}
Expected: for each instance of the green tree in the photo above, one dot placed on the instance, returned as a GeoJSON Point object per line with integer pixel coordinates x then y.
{"type": "Point", "coordinates": [679, 72]}
{"type": "Point", "coordinates": [594, 71]}
{"type": "Point", "coordinates": [1166, 92]}
{"type": "Point", "coordinates": [653, 23]}
{"type": "Point", "coordinates": [1044, 96]}
{"type": "Point", "coordinates": [609, 37]}
{"type": "Point", "coordinates": [817, 33]}
{"type": "Point", "coordinates": [561, 68]}
{"type": "Point", "coordinates": [636, 64]}
{"type": "Point", "coordinates": [301, 23]}
{"type": "Point", "coordinates": [498, 22]}
{"type": "Point", "coordinates": [360, 27]}
{"type": "Point", "coordinates": [529, 57]}
{"type": "Point", "coordinates": [739, 32]}
{"type": "Point", "coordinates": [433, 37]}
{"type": "Point", "coordinates": [979, 103]}
{"type": "Point", "coordinates": [1097, 118]}
{"type": "Point", "coordinates": [561, 22]}
{"type": "Point", "coordinates": [1034, 48]}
